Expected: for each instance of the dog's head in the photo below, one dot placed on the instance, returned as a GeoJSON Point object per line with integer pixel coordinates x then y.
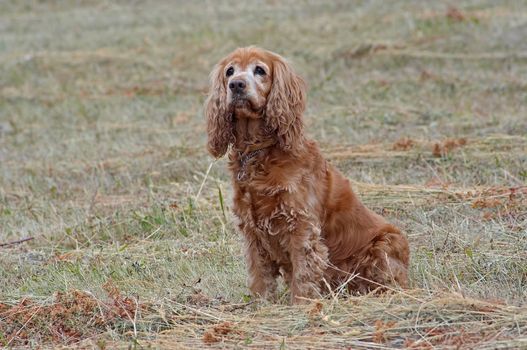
{"type": "Point", "coordinates": [258, 84]}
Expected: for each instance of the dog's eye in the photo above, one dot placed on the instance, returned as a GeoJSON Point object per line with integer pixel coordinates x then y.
{"type": "Point", "coordinates": [259, 70]}
{"type": "Point", "coordinates": [230, 71]}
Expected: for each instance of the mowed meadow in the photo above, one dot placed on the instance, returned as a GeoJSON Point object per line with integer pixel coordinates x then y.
{"type": "Point", "coordinates": [115, 224]}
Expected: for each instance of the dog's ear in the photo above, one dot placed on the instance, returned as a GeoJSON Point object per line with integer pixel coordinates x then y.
{"type": "Point", "coordinates": [285, 104]}
{"type": "Point", "coordinates": [219, 119]}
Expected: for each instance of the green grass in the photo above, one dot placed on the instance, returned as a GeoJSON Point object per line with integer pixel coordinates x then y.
{"type": "Point", "coordinates": [103, 163]}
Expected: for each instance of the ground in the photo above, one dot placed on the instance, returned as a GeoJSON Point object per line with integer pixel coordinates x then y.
{"type": "Point", "coordinates": [131, 244]}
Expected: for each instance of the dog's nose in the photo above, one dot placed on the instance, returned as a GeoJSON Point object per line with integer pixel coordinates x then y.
{"type": "Point", "coordinates": [237, 86]}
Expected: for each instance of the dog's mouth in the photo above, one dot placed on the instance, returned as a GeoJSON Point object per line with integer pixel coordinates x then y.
{"type": "Point", "coordinates": [244, 107]}
{"type": "Point", "coordinates": [241, 102]}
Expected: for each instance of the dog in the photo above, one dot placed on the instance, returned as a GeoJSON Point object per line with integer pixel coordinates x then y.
{"type": "Point", "coordinates": [298, 214]}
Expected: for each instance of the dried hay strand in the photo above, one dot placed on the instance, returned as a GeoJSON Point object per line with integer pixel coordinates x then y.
{"type": "Point", "coordinates": [407, 147]}
{"type": "Point", "coordinates": [410, 319]}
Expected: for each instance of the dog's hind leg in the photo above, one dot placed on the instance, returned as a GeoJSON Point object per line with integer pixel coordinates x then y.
{"type": "Point", "coordinates": [383, 262]}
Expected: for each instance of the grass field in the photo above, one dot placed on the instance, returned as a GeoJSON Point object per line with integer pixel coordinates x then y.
{"type": "Point", "coordinates": [103, 166]}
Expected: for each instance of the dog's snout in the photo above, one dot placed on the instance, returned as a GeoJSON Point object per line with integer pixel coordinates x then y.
{"type": "Point", "coordinates": [237, 86]}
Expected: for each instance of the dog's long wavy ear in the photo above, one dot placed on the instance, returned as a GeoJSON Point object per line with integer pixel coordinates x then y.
{"type": "Point", "coordinates": [219, 123]}
{"type": "Point", "coordinates": [285, 104]}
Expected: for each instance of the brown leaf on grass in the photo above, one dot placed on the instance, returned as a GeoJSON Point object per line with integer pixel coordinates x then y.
{"type": "Point", "coordinates": [316, 309]}
{"type": "Point", "coordinates": [436, 182]}
{"type": "Point", "coordinates": [3, 308]}
{"type": "Point", "coordinates": [72, 316]}
{"type": "Point", "coordinates": [517, 192]}
{"type": "Point", "coordinates": [416, 344]}
{"type": "Point", "coordinates": [379, 336]}
{"type": "Point", "coordinates": [487, 308]}
{"type": "Point", "coordinates": [216, 333]}
{"type": "Point", "coordinates": [455, 14]}
{"type": "Point", "coordinates": [427, 75]}
{"type": "Point", "coordinates": [441, 149]}
{"type": "Point", "coordinates": [110, 288]}
{"type": "Point", "coordinates": [403, 144]}
{"type": "Point", "coordinates": [209, 337]}
{"type": "Point", "coordinates": [366, 49]}
{"type": "Point", "coordinates": [223, 328]}
{"type": "Point", "coordinates": [66, 257]}
{"type": "Point", "coordinates": [181, 118]}
{"type": "Point", "coordinates": [487, 216]}
{"type": "Point", "coordinates": [125, 307]}
{"type": "Point", "coordinates": [513, 194]}
{"type": "Point", "coordinates": [199, 299]}
{"type": "Point", "coordinates": [437, 150]}
{"type": "Point", "coordinates": [500, 202]}
{"type": "Point", "coordinates": [458, 338]}
{"type": "Point", "coordinates": [153, 88]}
{"type": "Point", "coordinates": [486, 203]}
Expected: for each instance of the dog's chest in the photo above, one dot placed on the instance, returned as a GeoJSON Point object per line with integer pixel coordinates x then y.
{"type": "Point", "coordinates": [267, 218]}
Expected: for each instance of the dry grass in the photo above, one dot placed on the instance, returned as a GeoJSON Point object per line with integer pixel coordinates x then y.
{"type": "Point", "coordinates": [422, 104]}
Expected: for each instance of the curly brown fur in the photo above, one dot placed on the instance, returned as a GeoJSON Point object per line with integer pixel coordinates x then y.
{"type": "Point", "coordinates": [298, 214]}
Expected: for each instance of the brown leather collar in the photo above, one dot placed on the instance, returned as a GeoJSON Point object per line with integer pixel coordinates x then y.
{"type": "Point", "coordinates": [258, 146]}
{"type": "Point", "coordinates": [250, 152]}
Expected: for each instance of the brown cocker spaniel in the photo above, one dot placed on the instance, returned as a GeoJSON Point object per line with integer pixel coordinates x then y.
{"type": "Point", "coordinates": [297, 212]}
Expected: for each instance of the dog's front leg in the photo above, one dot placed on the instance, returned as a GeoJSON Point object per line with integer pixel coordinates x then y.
{"type": "Point", "coordinates": [262, 270]}
{"type": "Point", "coordinates": [309, 258]}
